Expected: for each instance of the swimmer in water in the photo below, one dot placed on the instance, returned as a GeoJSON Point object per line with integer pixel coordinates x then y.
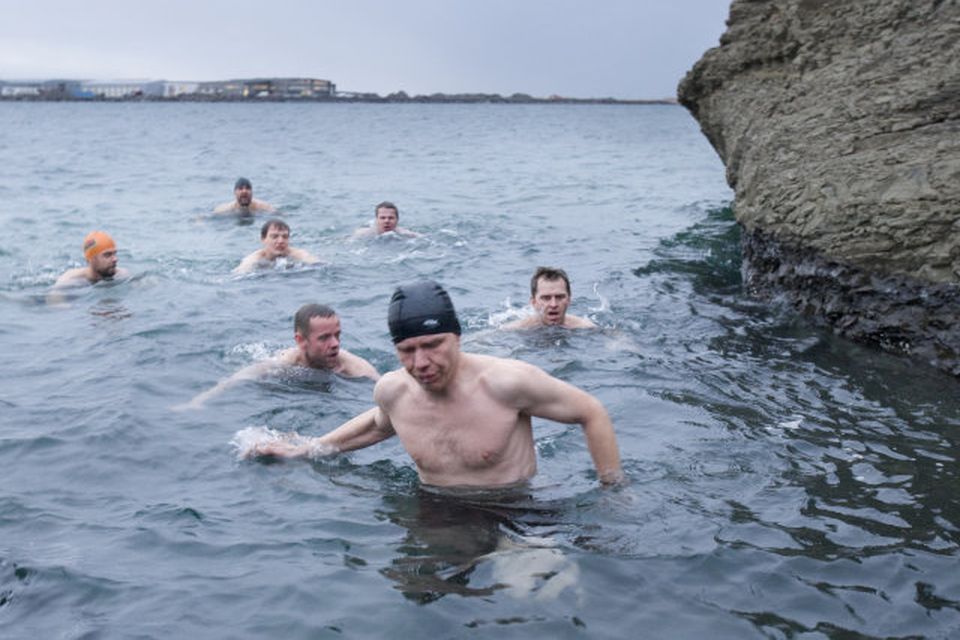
{"type": "Point", "coordinates": [275, 236]}
{"type": "Point", "coordinates": [464, 419]}
{"type": "Point", "coordinates": [550, 298]}
{"type": "Point", "coordinates": [386, 218]}
{"type": "Point", "coordinates": [244, 203]}
{"type": "Point", "coordinates": [101, 253]}
{"type": "Point", "coordinates": [316, 330]}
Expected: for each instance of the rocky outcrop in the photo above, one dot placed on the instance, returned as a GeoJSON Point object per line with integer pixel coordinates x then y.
{"type": "Point", "coordinates": [839, 125]}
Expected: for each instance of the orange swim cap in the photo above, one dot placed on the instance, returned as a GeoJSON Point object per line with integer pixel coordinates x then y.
{"type": "Point", "coordinates": [96, 243]}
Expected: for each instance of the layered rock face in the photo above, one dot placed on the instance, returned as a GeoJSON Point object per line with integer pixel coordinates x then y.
{"type": "Point", "coordinates": [839, 125]}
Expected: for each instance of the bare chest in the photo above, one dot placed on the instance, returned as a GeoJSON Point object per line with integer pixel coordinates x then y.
{"type": "Point", "coordinates": [456, 442]}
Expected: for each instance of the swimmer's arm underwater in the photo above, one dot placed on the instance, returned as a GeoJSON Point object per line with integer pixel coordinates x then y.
{"type": "Point", "coordinates": [250, 372]}
{"type": "Point", "coordinates": [368, 428]}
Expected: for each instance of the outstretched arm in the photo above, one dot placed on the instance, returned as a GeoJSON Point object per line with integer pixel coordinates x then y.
{"type": "Point", "coordinates": [250, 372]}
{"type": "Point", "coordinates": [368, 428]}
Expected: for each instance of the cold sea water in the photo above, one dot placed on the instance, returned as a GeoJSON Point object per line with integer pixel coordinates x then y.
{"type": "Point", "coordinates": [783, 483]}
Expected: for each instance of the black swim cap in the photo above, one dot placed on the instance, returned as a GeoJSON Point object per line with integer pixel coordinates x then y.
{"type": "Point", "coordinates": [420, 309]}
{"type": "Point", "coordinates": [242, 182]}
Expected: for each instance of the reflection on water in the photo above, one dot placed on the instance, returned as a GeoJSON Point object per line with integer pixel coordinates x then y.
{"type": "Point", "coordinates": [474, 547]}
{"type": "Point", "coordinates": [110, 309]}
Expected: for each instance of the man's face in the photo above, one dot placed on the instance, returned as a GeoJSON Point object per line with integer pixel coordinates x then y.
{"type": "Point", "coordinates": [244, 195]}
{"type": "Point", "coordinates": [276, 243]}
{"type": "Point", "coordinates": [386, 219]}
{"type": "Point", "coordinates": [431, 359]}
{"type": "Point", "coordinates": [104, 264]}
{"type": "Point", "coordinates": [322, 346]}
{"type": "Point", "coordinates": [551, 301]}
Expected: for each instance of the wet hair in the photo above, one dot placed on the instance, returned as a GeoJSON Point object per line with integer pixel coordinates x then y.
{"type": "Point", "coordinates": [386, 204]}
{"type": "Point", "coordinates": [420, 309]}
{"type": "Point", "coordinates": [548, 273]}
{"type": "Point", "coordinates": [273, 222]}
{"type": "Point", "coordinates": [301, 319]}
{"type": "Point", "coordinates": [242, 182]}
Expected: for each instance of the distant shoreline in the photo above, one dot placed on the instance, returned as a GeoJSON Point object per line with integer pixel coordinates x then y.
{"type": "Point", "coordinates": [369, 99]}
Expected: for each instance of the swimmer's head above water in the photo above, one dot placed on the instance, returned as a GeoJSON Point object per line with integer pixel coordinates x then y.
{"type": "Point", "coordinates": [386, 217]}
{"type": "Point", "coordinates": [419, 309]}
{"type": "Point", "coordinates": [101, 253]}
{"type": "Point", "coordinates": [243, 190]}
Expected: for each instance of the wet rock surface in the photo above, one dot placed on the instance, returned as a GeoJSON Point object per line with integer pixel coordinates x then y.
{"type": "Point", "coordinates": [839, 125]}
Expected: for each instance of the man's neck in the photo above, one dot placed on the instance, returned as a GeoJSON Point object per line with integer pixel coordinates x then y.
{"type": "Point", "coordinates": [325, 365]}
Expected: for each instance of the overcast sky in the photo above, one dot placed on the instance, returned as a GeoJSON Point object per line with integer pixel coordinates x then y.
{"type": "Point", "coordinates": [575, 48]}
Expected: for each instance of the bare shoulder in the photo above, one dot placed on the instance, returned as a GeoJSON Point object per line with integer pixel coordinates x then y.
{"type": "Point", "coordinates": [250, 262]}
{"type": "Point", "coordinates": [72, 278]}
{"type": "Point", "coordinates": [226, 207]}
{"type": "Point", "coordinates": [356, 367]}
{"type": "Point", "coordinates": [390, 387]}
{"type": "Point", "coordinates": [503, 376]}
{"type": "Point", "coordinates": [289, 358]}
{"type": "Point", "coordinates": [364, 232]}
{"type": "Point", "coordinates": [302, 255]}
{"type": "Point", "coordinates": [523, 323]}
{"type": "Point", "coordinates": [576, 322]}
{"type": "Point", "coordinates": [522, 385]}
{"type": "Point", "coordinates": [260, 205]}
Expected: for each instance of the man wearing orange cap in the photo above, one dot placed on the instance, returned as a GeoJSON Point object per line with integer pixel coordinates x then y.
{"type": "Point", "coordinates": [101, 253]}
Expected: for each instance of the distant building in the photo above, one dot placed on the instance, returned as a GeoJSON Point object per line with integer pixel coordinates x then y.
{"type": "Point", "coordinates": [303, 88]}
{"type": "Point", "coordinates": [116, 90]}
{"type": "Point", "coordinates": [276, 88]}
{"type": "Point", "coordinates": [239, 89]}
{"type": "Point", "coordinates": [175, 89]}
{"type": "Point", "coordinates": [20, 89]}
{"type": "Point", "coordinates": [44, 89]}
{"type": "Point", "coordinates": [222, 89]}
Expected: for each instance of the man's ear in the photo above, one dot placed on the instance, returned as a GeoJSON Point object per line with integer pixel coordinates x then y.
{"type": "Point", "coordinates": [299, 339]}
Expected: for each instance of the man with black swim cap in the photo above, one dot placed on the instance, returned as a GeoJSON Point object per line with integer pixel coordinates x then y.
{"type": "Point", "coordinates": [244, 203]}
{"type": "Point", "coordinates": [464, 418]}
{"type": "Point", "coordinates": [421, 309]}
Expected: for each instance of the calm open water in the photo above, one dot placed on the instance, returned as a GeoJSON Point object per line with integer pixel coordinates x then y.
{"type": "Point", "coordinates": [784, 483]}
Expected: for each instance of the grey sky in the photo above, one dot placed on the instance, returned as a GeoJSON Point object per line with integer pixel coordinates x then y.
{"type": "Point", "coordinates": [575, 48]}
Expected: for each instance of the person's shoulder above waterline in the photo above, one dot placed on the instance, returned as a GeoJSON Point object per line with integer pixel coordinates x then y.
{"type": "Point", "coordinates": [255, 206]}
{"type": "Point", "coordinates": [533, 321]}
{"type": "Point", "coordinates": [348, 364]}
{"type": "Point", "coordinates": [369, 232]}
{"type": "Point", "coordinates": [259, 260]}
{"type": "Point", "coordinates": [243, 201]}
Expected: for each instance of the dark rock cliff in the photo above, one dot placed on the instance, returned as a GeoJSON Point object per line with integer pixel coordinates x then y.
{"type": "Point", "coordinates": [839, 125]}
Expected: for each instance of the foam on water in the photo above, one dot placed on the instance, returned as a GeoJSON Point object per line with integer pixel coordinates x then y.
{"type": "Point", "coordinates": [251, 442]}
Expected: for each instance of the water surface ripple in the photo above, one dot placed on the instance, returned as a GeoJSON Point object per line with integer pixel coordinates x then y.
{"type": "Point", "coordinates": [784, 484]}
